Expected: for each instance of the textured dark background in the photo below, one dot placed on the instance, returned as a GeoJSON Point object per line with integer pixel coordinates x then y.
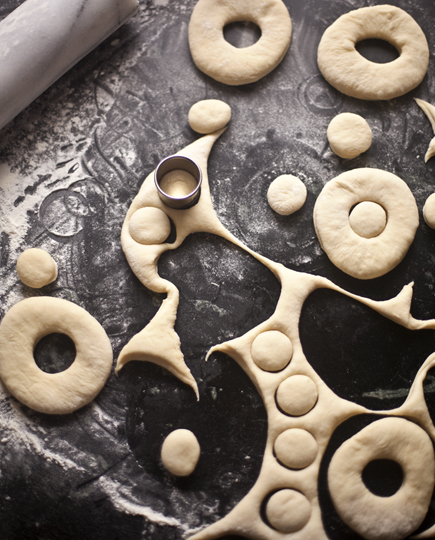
{"type": "Point", "coordinates": [79, 154]}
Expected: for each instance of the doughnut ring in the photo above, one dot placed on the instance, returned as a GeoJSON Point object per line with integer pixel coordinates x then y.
{"type": "Point", "coordinates": [365, 258]}
{"type": "Point", "coordinates": [348, 71]}
{"type": "Point", "coordinates": [230, 65]}
{"type": "Point", "coordinates": [53, 393]}
{"type": "Point", "coordinates": [384, 518]}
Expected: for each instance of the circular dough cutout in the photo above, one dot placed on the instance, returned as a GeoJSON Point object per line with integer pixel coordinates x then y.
{"type": "Point", "coordinates": [365, 258]}
{"type": "Point", "coordinates": [225, 63]}
{"type": "Point", "coordinates": [149, 226]}
{"type": "Point", "coordinates": [429, 211]}
{"type": "Point", "coordinates": [209, 115]}
{"type": "Point", "coordinates": [296, 448]}
{"type": "Point", "coordinates": [36, 268]}
{"type": "Point", "coordinates": [288, 510]}
{"type": "Point", "coordinates": [297, 395]}
{"type": "Point", "coordinates": [271, 350]}
{"type": "Point", "coordinates": [383, 518]}
{"type": "Point", "coordinates": [368, 219]}
{"type": "Point", "coordinates": [349, 135]}
{"type": "Point", "coordinates": [53, 393]}
{"type": "Point", "coordinates": [286, 194]}
{"type": "Point", "coordinates": [180, 452]}
{"type": "Point", "coordinates": [348, 71]}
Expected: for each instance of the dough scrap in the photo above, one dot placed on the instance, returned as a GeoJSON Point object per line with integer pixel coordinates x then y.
{"type": "Point", "coordinates": [429, 211]}
{"type": "Point", "coordinates": [225, 63]}
{"type": "Point", "coordinates": [288, 510]}
{"type": "Point", "coordinates": [272, 350]}
{"type": "Point", "coordinates": [352, 74]}
{"type": "Point", "coordinates": [209, 115]}
{"type": "Point", "coordinates": [349, 135]}
{"type": "Point", "coordinates": [180, 452]}
{"type": "Point", "coordinates": [53, 393]}
{"type": "Point", "coordinates": [296, 448]}
{"type": "Point", "coordinates": [429, 111]}
{"type": "Point", "coordinates": [297, 395]}
{"type": "Point", "coordinates": [149, 226]}
{"type": "Point", "coordinates": [286, 194]}
{"type": "Point", "coordinates": [365, 258]}
{"type": "Point", "coordinates": [36, 268]}
{"type": "Point", "coordinates": [368, 219]}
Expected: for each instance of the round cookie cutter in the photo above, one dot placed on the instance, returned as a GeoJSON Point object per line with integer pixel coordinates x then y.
{"type": "Point", "coordinates": [174, 163]}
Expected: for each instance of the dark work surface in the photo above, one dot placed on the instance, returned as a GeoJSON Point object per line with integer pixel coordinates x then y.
{"type": "Point", "coordinates": [80, 153]}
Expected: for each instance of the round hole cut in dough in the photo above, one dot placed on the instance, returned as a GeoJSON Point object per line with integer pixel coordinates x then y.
{"type": "Point", "coordinates": [296, 448]}
{"type": "Point", "coordinates": [429, 211]}
{"type": "Point", "coordinates": [286, 194]}
{"type": "Point", "coordinates": [297, 395]}
{"type": "Point", "coordinates": [209, 115]}
{"type": "Point", "coordinates": [36, 268]}
{"type": "Point", "coordinates": [271, 350]}
{"type": "Point", "coordinates": [348, 71]}
{"type": "Point", "coordinates": [288, 510]}
{"type": "Point", "coordinates": [180, 452]}
{"type": "Point", "coordinates": [53, 393]}
{"type": "Point", "coordinates": [349, 135]}
{"type": "Point", "coordinates": [365, 258]}
{"type": "Point", "coordinates": [384, 518]}
{"type": "Point", "coordinates": [225, 63]}
{"type": "Point", "coordinates": [149, 226]}
{"type": "Point", "coordinates": [368, 219]}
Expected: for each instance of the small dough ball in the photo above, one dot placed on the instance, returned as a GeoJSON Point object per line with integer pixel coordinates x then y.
{"type": "Point", "coordinates": [297, 395]}
{"type": "Point", "coordinates": [349, 135]}
{"type": "Point", "coordinates": [209, 115]}
{"type": "Point", "coordinates": [271, 350]}
{"type": "Point", "coordinates": [149, 226]}
{"type": "Point", "coordinates": [296, 448]}
{"type": "Point", "coordinates": [180, 452]}
{"type": "Point", "coordinates": [286, 194]}
{"type": "Point", "coordinates": [429, 211]}
{"type": "Point", "coordinates": [368, 219]}
{"type": "Point", "coordinates": [288, 510]}
{"type": "Point", "coordinates": [36, 268]}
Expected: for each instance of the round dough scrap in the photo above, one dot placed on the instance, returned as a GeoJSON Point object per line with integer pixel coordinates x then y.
{"type": "Point", "coordinates": [222, 61]}
{"type": "Point", "coordinates": [149, 226]}
{"type": "Point", "coordinates": [271, 350]}
{"type": "Point", "coordinates": [296, 448]}
{"type": "Point", "coordinates": [429, 211]}
{"type": "Point", "coordinates": [288, 510]}
{"type": "Point", "coordinates": [286, 194]}
{"type": "Point", "coordinates": [53, 393]}
{"type": "Point", "coordinates": [365, 258]}
{"type": "Point", "coordinates": [368, 219]}
{"type": "Point", "coordinates": [384, 518]}
{"type": "Point", "coordinates": [297, 395]}
{"type": "Point", "coordinates": [36, 268]}
{"type": "Point", "coordinates": [348, 71]}
{"type": "Point", "coordinates": [180, 452]}
{"type": "Point", "coordinates": [349, 135]}
{"type": "Point", "coordinates": [209, 115]}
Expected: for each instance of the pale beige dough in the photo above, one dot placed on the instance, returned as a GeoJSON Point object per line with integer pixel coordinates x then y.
{"type": "Point", "coordinates": [222, 61]}
{"type": "Point", "coordinates": [288, 510]}
{"type": "Point", "coordinates": [180, 452]}
{"type": "Point", "coordinates": [349, 135]}
{"type": "Point", "coordinates": [351, 73]}
{"type": "Point", "coordinates": [286, 194]}
{"type": "Point", "coordinates": [384, 518]}
{"type": "Point", "coordinates": [53, 393]}
{"type": "Point", "coordinates": [178, 183]}
{"type": "Point", "coordinates": [209, 115]}
{"type": "Point", "coordinates": [296, 448]}
{"type": "Point", "coordinates": [429, 211]}
{"type": "Point", "coordinates": [429, 111]}
{"type": "Point", "coordinates": [368, 219]}
{"type": "Point", "coordinates": [36, 268]}
{"type": "Point", "coordinates": [271, 350]}
{"type": "Point", "coordinates": [365, 258]}
{"type": "Point", "coordinates": [297, 395]}
{"type": "Point", "coordinates": [149, 226]}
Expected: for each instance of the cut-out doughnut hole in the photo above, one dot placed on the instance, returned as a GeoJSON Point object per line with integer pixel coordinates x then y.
{"type": "Point", "coordinates": [151, 226]}
{"type": "Point", "coordinates": [368, 219]}
{"type": "Point", "coordinates": [242, 34]}
{"type": "Point", "coordinates": [377, 50]}
{"type": "Point", "coordinates": [286, 510]}
{"type": "Point", "coordinates": [296, 395]}
{"type": "Point", "coordinates": [54, 353]}
{"type": "Point", "coordinates": [383, 477]}
{"type": "Point", "coordinates": [272, 350]}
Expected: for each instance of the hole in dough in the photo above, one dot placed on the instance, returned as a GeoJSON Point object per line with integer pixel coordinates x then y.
{"type": "Point", "coordinates": [180, 452]}
{"type": "Point", "coordinates": [297, 395]}
{"type": "Point", "coordinates": [368, 219]}
{"type": "Point", "coordinates": [272, 350]}
{"type": "Point", "coordinates": [242, 34]}
{"type": "Point", "coordinates": [288, 510]}
{"type": "Point", "coordinates": [149, 226]}
{"type": "Point", "coordinates": [377, 50]}
{"type": "Point", "coordinates": [296, 448]}
{"type": "Point", "coordinates": [383, 477]}
{"type": "Point", "coordinates": [54, 353]}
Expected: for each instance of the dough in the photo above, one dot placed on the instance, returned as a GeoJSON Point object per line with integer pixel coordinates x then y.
{"type": "Point", "coordinates": [36, 268]}
{"type": "Point", "coordinates": [384, 518]}
{"type": "Point", "coordinates": [297, 395]}
{"type": "Point", "coordinates": [429, 211]}
{"type": "Point", "coordinates": [271, 350]}
{"type": "Point", "coordinates": [365, 258]}
{"type": "Point", "coordinates": [209, 115]}
{"type": "Point", "coordinates": [286, 194]}
{"type": "Point", "coordinates": [217, 58]}
{"type": "Point", "coordinates": [429, 111]}
{"type": "Point", "coordinates": [53, 393]}
{"type": "Point", "coordinates": [178, 183]}
{"type": "Point", "coordinates": [351, 73]}
{"type": "Point", "coordinates": [288, 510]}
{"type": "Point", "coordinates": [296, 448]}
{"type": "Point", "coordinates": [368, 219]}
{"type": "Point", "coordinates": [149, 226]}
{"type": "Point", "coordinates": [180, 452]}
{"type": "Point", "coordinates": [349, 135]}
